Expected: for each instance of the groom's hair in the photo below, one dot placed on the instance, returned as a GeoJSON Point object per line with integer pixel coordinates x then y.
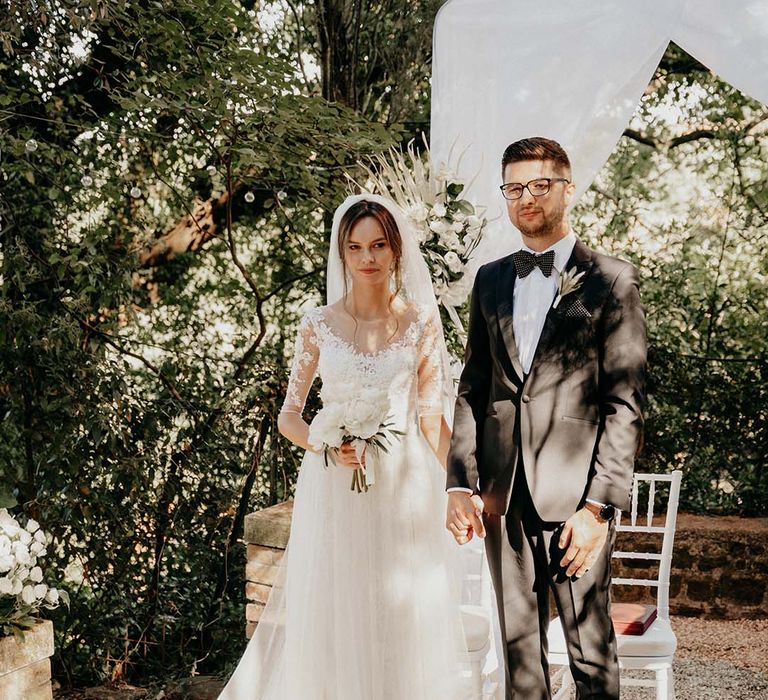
{"type": "Point", "coordinates": [536, 148]}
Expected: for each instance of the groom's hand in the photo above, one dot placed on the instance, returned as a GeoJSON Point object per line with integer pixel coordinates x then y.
{"type": "Point", "coordinates": [582, 538]}
{"type": "Point", "coordinates": [465, 516]}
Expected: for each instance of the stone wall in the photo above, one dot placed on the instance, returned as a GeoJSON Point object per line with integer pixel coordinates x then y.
{"type": "Point", "coordinates": [25, 666]}
{"type": "Point", "coordinates": [719, 567]}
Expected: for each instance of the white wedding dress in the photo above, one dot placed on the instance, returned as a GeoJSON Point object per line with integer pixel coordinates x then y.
{"type": "Point", "coordinates": [366, 606]}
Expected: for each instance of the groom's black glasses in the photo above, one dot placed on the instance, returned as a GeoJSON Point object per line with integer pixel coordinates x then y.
{"type": "Point", "coordinates": [538, 187]}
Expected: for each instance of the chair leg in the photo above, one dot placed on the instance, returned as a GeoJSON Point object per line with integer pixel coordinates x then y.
{"type": "Point", "coordinates": [671, 684]}
{"type": "Point", "coordinates": [565, 684]}
{"type": "Point", "coordinates": [662, 684]}
{"type": "Point", "coordinates": [477, 679]}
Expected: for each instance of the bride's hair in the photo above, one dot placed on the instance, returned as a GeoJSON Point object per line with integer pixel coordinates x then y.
{"type": "Point", "coordinates": [383, 216]}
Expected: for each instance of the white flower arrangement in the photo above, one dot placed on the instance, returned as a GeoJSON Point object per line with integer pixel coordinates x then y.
{"type": "Point", "coordinates": [361, 420]}
{"type": "Point", "coordinates": [22, 590]}
{"type": "Point", "coordinates": [447, 226]}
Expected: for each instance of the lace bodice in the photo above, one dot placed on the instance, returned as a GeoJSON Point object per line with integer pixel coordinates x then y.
{"type": "Point", "coordinates": [409, 367]}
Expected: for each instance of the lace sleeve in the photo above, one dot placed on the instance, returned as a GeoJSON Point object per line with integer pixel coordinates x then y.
{"type": "Point", "coordinates": [430, 370]}
{"type": "Point", "coordinates": [304, 367]}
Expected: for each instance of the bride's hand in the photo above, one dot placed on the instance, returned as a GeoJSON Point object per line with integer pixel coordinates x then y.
{"type": "Point", "coordinates": [346, 457]}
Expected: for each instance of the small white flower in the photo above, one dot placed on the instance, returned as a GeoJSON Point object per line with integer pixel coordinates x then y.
{"type": "Point", "coordinates": [460, 216]}
{"type": "Point", "coordinates": [418, 212]}
{"type": "Point", "coordinates": [52, 596]}
{"type": "Point", "coordinates": [450, 240]}
{"type": "Point", "coordinates": [439, 210]}
{"type": "Point", "coordinates": [21, 552]}
{"type": "Point", "coordinates": [8, 524]}
{"type": "Point", "coordinates": [28, 595]}
{"type": "Point", "coordinates": [453, 262]}
{"type": "Point", "coordinates": [40, 590]}
{"type": "Point", "coordinates": [37, 549]}
{"type": "Point", "coordinates": [457, 227]}
{"type": "Point", "coordinates": [7, 562]}
{"type": "Point", "coordinates": [474, 223]}
{"type": "Point", "coordinates": [6, 586]}
{"type": "Point", "coordinates": [32, 526]}
{"type": "Point", "coordinates": [23, 572]}
{"type": "Point", "coordinates": [17, 585]}
{"type": "Point", "coordinates": [25, 537]}
{"type": "Point", "coordinates": [40, 536]}
{"type": "Point", "coordinates": [36, 574]}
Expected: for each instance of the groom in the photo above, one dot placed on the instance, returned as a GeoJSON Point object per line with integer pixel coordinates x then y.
{"type": "Point", "coordinates": [547, 423]}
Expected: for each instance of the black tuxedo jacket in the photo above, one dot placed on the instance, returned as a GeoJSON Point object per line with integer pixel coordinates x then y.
{"type": "Point", "coordinates": [576, 418]}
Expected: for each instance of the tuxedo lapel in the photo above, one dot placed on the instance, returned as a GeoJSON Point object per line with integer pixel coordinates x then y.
{"type": "Point", "coordinates": [505, 288]}
{"type": "Point", "coordinates": [581, 259]}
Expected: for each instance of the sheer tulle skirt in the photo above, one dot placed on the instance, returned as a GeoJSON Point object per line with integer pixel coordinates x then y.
{"type": "Point", "coordinates": [366, 606]}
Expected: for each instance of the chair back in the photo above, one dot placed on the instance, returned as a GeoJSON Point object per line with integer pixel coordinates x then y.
{"type": "Point", "coordinates": [642, 521]}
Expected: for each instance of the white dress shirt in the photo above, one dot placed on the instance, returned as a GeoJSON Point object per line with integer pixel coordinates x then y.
{"type": "Point", "coordinates": [533, 297]}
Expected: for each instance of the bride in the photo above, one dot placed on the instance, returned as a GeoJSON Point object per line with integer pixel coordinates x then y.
{"type": "Point", "coordinates": [366, 605]}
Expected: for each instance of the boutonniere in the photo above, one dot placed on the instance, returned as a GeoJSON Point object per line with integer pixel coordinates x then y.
{"type": "Point", "coordinates": [569, 281]}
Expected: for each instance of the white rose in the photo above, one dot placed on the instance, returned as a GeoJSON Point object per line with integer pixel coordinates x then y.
{"type": "Point", "coordinates": [453, 262]}
{"type": "Point", "coordinates": [52, 596]}
{"type": "Point", "coordinates": [418, 212]}
{"type": "Point", "coordinates": [32, 526]}
{"type": "Point", "coordinates": [8, 524]}
{"type": "Point", "coordinates": [37, 548]}
{"type": "Point", "coordinates": [325, 428]}
{"type": "Point", "coordinates": [439, 226]}
{"type": "Point", "coordinates": [21, 552]}
{"type": "Point", "coordinates": [7, 562]}
{"type": "Point", "coordinates": [36, 574]}
{"type": "Point", "coordinates": [6, 586]}
{"type": "Point", "coordinates": [439, 210]}
{"type": "Point", "coordinates": [40, 590]}
{"type": "Point", "coordinates": [40, 537]}
{"type": "Point", "coordinates": [25, 537]}
{"type": "Point", "coordinates": [450, 240]}
{"type": "Point", "coordinates": [28, 595]}
{"type": "Point", "coordinates": [364, 416]}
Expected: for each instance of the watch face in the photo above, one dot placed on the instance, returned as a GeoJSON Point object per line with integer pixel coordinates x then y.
{"type": "Point", "coordinates": [607, 512]}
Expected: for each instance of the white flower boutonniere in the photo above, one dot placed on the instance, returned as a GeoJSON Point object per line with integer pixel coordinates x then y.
{"type": "Point", "coordinates": [569, 281]}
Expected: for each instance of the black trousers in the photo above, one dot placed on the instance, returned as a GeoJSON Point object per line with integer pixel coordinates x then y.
{"type": "Point", "coordinates": [524, 560]}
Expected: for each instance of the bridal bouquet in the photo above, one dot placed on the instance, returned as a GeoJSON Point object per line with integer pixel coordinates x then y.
{"type": "Point", "coordinates": [362, 421]}
{"type": "Point", "coordinates": [22, 591]}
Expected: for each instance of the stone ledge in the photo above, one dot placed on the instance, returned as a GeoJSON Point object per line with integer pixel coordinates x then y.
{"type": "Point", "coordinates": [37, 645]}
{"type": "Point", "coordinates": [269, 527]}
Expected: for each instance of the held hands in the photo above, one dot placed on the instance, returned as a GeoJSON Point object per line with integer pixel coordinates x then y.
{"type": "Point", "coordinates": [346, 457]}
{"type": "Point", "coordinates": [465, 516]}
{"type": "Point", "coordinates": [583, 537]}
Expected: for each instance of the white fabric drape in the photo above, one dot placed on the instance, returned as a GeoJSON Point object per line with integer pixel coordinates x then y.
{"type": "Point", "coordinates": [572, 71]}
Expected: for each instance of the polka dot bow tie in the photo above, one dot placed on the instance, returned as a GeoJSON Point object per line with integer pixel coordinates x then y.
{"type": "Point", "coordinates": [525, 262]}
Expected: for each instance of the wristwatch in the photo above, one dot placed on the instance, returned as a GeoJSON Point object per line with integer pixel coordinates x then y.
{"type": "Point", "coordinates": [604, 513]}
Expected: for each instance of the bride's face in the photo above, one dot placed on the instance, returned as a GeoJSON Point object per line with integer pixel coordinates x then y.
{"type": "Point", "coordinates": [368, 255]}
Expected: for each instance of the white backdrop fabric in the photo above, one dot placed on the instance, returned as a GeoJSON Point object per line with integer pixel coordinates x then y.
{"type": "Point", "coordinates": [570, 70]}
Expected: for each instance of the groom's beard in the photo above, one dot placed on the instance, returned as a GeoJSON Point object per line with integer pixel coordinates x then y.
{"type": "Point", "coordinates": [548, 225]}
